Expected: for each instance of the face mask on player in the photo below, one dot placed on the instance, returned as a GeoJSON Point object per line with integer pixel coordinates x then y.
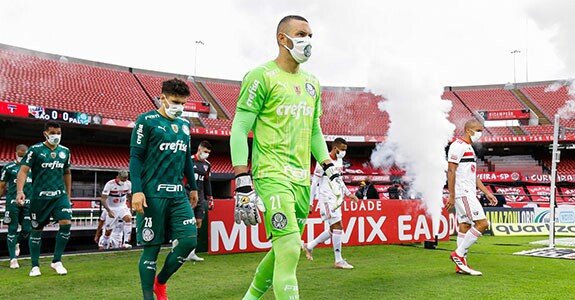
{"type": "Point", "coordinates": [18, 158]}
{"type": "Point", "coordinates": [173, 110]}
{"type": "Point", "coordinates": [340, 154]}
{"type": "Point", "coordinates": [476, 136]}
{"type": "Point", "coordinates": [53, 139]}
{"type": "Point", "coordinates": [204, 155]}
{"type": "Point", "coordinates": [301, 50]}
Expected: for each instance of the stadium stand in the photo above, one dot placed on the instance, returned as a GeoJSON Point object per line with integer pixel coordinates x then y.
{"type": "Point", "coordinates": [32, 80]}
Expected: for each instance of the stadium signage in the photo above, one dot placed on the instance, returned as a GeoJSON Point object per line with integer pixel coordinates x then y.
{"type": "Point", "coordinates": [499, 176]}
{"type": "Point", "coordinates": [495, 115]}
{"type": "Point", "coordinates": [531, 229]}
{"type": "Point", "coordinates": [369, 222]}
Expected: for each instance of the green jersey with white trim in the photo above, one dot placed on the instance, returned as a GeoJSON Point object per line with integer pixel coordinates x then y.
{"type": "Point", "coordinates": [47, 167]}
{"type": "Point", "coordinates": [167, 146]}
{"type": "Point", "coordinates": [9, 174]}
{"type": "Point", "coordinates": [286, 105]}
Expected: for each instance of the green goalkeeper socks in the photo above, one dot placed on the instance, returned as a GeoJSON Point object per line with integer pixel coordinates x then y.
{"type": "Point", "coordinates": [176, 258]}
{"type": "Point", "coordinates": [278, 267]}
{"type": "Point", "coordinates": [35, 242]}
{"type": "Point", "coordinates": [147, 268]}
{"type": "Point", "coordinates": [61, 241]}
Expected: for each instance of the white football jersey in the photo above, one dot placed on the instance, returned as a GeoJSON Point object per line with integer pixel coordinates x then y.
{"type": "Point", "coordinates": [117, 193]}
{"type": "Point", "coordinates": [461, 153]}
{"type": "Point", "coordinates": [320, 188]}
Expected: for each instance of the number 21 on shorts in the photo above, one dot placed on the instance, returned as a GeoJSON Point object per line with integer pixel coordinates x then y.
{"type": "Point", "coordinates": [275, 200]}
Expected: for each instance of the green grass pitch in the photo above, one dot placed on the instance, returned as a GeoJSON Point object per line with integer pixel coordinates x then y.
{"type": "Point", "coordinates": [381, 272]}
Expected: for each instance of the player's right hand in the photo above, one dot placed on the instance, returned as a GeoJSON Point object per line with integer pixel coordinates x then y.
{"type": "Point", "coordinates": [21, 198]}
{"type": "Point", "coordinates": [139, 202]}
{"type": "Point", "coordinates": [450, 203]}
{"type": "Point", "coordinates": [247, 202]}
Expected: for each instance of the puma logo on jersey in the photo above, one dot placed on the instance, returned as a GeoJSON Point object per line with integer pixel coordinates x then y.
{"type": "Point", "coordinates": [295, 110]}
{"type": "Point", "coordinates": [53, 165]}
{"type": "Point", "coordinates": [174, 147]}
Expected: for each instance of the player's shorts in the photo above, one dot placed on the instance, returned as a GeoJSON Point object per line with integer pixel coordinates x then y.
{"type": "Point", "coordinates": [326, 205]}
{"type": "Point", "coordinates": [15, 213]}
{"type": "Point", "coordinates": [119, 213]}
{"type": "Point", "coordinates": [468, 209]}
{"type": "Point", "coordinates": [200, 209]}
{"type": "Point", "coordinates": [287, 206]}
{"type": "Point", "coordinates": [42, 209]}
{"type": "Point", "coordinates": [165, 219]}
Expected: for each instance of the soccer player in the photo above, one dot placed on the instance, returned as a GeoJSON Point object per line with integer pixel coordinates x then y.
{"type": "Point", "coordinates": [462, 183]}
{"type": "Point", "coordinates": [16, 214]}
{"type": "Point", "coordinates": [202, 171]}
{"type": "Point", "coordinates": [160, 156]}
{"type": "Point", "coordinates": [329, 207]}
{"type": "Point", "coordinates": [114, 201]}
{"type": "Point", "coordinates": [49, 163]}
{"type": "Point", "coordinates": [281, 104]}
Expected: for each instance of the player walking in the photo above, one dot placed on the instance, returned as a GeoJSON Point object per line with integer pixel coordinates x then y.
{"type": "Point", "coordinates": [160, 156]}
{"type": "Point", "coordinates": [202, 171]}
{"type": "Point", "coordinates": [330, 208]}
{"type": "Point", "coordinates": [462, 183]}
{"type": "Point", "coordinates": [281, 104]}
{"type": "Point", "coordinates": [16, 214]}
{"type": "Point", "coordinates": [114, 201]}
{"type": "Point", "coordinates": [49, 163]}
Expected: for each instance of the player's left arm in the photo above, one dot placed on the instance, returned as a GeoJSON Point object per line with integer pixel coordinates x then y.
{"type": "Point", "coordinates": [492, 199]}
{"type": "Point", "coordinates": [189, 173]}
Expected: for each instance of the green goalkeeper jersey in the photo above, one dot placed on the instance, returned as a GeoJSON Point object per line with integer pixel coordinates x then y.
{"type": "Point", "coordinates": [166, 144]}
{"type": "Point", "coordinates": [286, 105]}
{"type": "Point", "coordinates": [9, 174]}
{"type": "Point", "coordinates": [47, 167]}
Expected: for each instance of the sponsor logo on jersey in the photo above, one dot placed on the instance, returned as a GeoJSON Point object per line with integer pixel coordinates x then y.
{"type": "Point", "coordinates": [310, 89]}
{"type": "Point", "coordinates": [296, 110]}
{"type": "Point", "coordinates": [147, 234]}
{"type": "Point", "coordinates": [50, 193]}
{"type": "Point", "coordinates": [252, 90]}
{"type": "Point", "coordinates": [170, 187]}
{"type": "Point", "coordinates": [140, 133]}
{"type": "Point", "coordinates": [174, 147]}
{"type": "Point", "coordinates": [53, 165]}
{"type": "Point", "coordinates": [186, 129]}
{"type": "Point", "coordinates": [175, 128]}
{"type": "Point", "coordinates": [62, 155]}
{"type": "Point", "coordinates": [279, 221]}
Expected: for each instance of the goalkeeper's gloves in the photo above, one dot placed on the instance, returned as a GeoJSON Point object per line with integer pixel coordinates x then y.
{"type": "Point", "coordinates": [247, 201]}
{"type": "Point", "coordinates": [336, 184]}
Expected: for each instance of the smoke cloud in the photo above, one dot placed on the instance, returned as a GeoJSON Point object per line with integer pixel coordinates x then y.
{"type": "Point", "coordinates": [418, 132]}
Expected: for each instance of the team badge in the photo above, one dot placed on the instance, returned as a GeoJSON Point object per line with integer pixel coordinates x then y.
{"type": "Point", "coordinates": [310, 89]}
{"type": "Point", "coordinates": [297, 89]}
{"type": "Point", "coordinates": [147, 235]}
{"type": "Point", "coordinates": [186, 129]}
{"type": "Point", "coordinates": [175, 128]}
{"type": "Point", "coordinates": [279, 221]}
{"type": "Point", "coordinates": [53, 154]}
{"type": "Point", "coordinates": [62, 154]}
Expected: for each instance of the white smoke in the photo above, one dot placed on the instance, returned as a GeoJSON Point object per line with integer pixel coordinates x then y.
{"type": "Point", "coordinates": [418, 132]}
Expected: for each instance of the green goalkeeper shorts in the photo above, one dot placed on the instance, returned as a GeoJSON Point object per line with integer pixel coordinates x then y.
{"type": "Point", "coordinates": [286, 203]}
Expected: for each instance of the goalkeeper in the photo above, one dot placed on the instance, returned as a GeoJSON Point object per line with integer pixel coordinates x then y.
{"type": "Point", "coordinates": [281, 104]}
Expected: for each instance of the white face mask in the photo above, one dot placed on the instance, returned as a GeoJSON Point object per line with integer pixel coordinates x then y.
{"type": "Point", "coordinates": [341, 154]}
{"type": "Point", "coordinates": [476, 136]}
{"type": "Point", "coordinates": [18, 158]}
{"type": "Point", "coordinates": [54, 139]}
{"type": "Point", "coordinates": [173, 110]}
{"type": "Point", "coordinates": [204, 155]}
{"type": "Point", "coordinates": [301, 50]}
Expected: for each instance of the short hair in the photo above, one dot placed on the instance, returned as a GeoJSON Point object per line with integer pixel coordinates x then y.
{"type": "Point", "coordinates": [21, 147]}
{"type": "Point", "coordinates": [51, 124]}
{"type": "Point", "coordinates": [175, 87]}
{"type": "Point", "coordinates": [123, 173]}
{"type": "Point", "coordinates": [286, 19]}
{"type": "Point", "coordinates": [339, 141]}
{"type": "Point", "coordinates": [206, 145]}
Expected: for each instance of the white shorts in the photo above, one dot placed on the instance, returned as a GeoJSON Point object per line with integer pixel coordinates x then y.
{"type": "Point", "coordinates": [119, 213]}
{"type": "Point", "coordinates": [468, 209]}
{"type": "Point", "coordinates": [327, 215]}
